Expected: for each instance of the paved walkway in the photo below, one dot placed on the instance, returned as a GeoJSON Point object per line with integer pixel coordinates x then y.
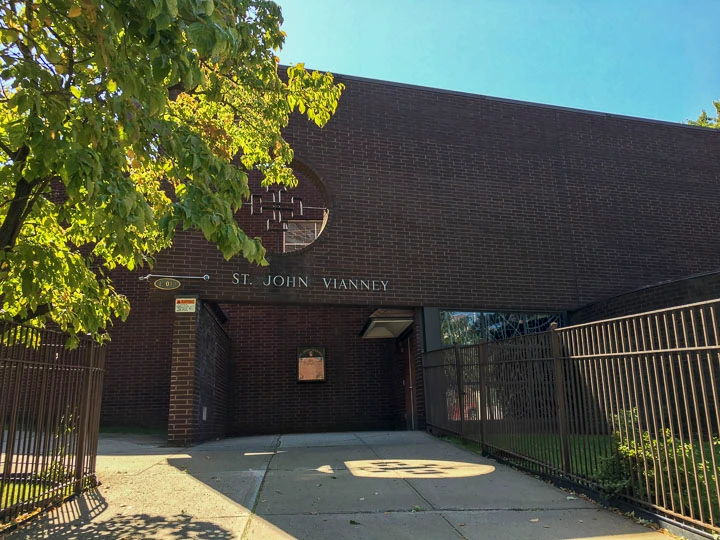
{"type": "Point", "coordinates": [384, 485]}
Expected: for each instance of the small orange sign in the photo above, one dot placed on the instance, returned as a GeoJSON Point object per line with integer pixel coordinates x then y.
{"type": "Point", "coordinates": [185, 305]}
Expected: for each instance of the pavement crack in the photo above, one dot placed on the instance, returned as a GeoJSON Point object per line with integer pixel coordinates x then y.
{"type": "Point", "coordinates": [452, 526]}
{"type": "Point", "coordinates": [246, 530]}
{"type": "Point", "coordinates": [160, 463]}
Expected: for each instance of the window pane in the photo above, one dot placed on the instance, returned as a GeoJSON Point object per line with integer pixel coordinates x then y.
{"type": "Point", "coordinates": [301, 233]}
{"type": "Point", "coordinates": [467, 327]}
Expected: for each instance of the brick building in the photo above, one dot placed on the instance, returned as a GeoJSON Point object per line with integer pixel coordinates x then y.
{"type": "Point", "coordinates": [417, 205]}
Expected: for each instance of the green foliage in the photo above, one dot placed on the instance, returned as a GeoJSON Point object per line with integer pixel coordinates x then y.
{"type": "Point", "coordinates": [17, 492]}
{"type": "Point", "coordinates": [470, 327]}
{"type": "Point", "coordinates": [708, 121]}
{"type": "Point", "coordinates": [643, 466]}
{"type": "Point", "coordinates": [57, 472]}
{"type": "Point", "coordinates": [458, 327]}
{"type": "Point", "coordinates": [119, 123]}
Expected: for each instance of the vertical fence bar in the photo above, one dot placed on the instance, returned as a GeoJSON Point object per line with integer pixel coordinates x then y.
{"type": "Point", "coordinates": [49, 407]}
{"type": "Point", "coordinates": [666, 426]}
{"type": "Point", "coordinates": [484, 393]}
{"type": "Point", "coordinates": [12, 427]}
{"type": "Point", "coordinates": [460, 389]}
{"type": "Point", "coordinates": [604, 381]}
{"type": "Point", "coordinates": [21, 451]}
{"type": "Point", "coordinates": [560, 400]}
{"type": "Point", "coordinates": [638, 401]}
{"type": "Point", "coordinates": [582, 389]}
{"type": "Point", "coordinates": [680, 440]}
{"type": "Point", "coordinates": [630, 403]}
{"type": "Point", "coordinates": [688, 418]}
{"type": "Point", "coordinates": [714, 340]}
{"type": "Point", "coordinates": [83, 422]}
{"type": "Point", "coordinates": [650, 361]}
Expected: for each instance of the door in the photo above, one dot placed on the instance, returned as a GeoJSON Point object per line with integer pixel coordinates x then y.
{"type": "Point", "coordinates": [409, 383]}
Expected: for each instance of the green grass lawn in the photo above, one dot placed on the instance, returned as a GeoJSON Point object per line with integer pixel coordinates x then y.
{"type": "Point", "coordinates": [587, 452]}
{"type": "Point", "coordinates": [16, 492]}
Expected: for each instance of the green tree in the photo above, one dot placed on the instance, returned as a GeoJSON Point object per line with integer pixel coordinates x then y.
{"type": "Point", "coordinates": [708, 121]}
{"type": "Point", "coordinates": [122, 122]}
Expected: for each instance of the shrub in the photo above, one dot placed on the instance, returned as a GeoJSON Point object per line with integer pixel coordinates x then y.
{"type": "Point", "coordinates": [643, 467]}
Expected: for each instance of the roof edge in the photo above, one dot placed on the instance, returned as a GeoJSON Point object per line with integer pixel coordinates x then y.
{"type": "Point", "coordinates": [646, 287]}
{"type": "Point", "coordinates": [381, 82]}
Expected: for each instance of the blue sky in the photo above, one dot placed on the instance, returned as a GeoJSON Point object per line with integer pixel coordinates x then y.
{"type": "Point", "coordinates": [653, 59]}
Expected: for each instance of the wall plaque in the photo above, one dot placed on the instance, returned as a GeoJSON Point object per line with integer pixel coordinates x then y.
{"type": "Point", "coordinates": [311, 364]}
{"type": "Point", "coordinates": [167, 284]}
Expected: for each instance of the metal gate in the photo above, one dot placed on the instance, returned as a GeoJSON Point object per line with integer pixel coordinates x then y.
{"type": "Point", "coordinates": [49, 418]}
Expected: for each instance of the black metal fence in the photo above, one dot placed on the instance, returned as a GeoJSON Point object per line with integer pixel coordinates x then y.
{"type": "Point", "coordinates": [49, 416]}
{"type": "Point", "coordinates": [627, 406]}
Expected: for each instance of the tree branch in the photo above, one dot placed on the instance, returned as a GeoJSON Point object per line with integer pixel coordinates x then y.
{"type": "Point", "coordinates": [39, 311]}
{"type": "Point", "coordinates": [5, 148]}
{"type": "Point", "coordinates": [33, 199]}
{"type": "Point", "coordinates": [10, 228]}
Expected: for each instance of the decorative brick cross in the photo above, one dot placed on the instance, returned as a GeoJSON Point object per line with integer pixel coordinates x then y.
{"type": "Point", "coordinates": [277, 206]}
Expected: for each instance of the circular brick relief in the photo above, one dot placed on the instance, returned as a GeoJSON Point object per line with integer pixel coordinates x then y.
{"type": "Point", "coordinates": [286, 220]}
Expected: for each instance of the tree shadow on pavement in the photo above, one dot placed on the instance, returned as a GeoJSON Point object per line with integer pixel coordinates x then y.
{"type": "Point", "coordinates": [80, 519]}
{"type": "Point", "coordinates": [141, 526]}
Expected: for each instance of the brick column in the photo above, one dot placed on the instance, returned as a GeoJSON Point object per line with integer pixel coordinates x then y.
{"type": "Point", "coordinates": [182, 377]}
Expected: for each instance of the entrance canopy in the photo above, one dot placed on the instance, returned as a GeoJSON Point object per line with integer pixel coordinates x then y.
{"type": "Point", "coordinates": [387, 323]}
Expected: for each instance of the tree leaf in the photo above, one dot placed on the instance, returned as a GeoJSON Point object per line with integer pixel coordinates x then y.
{"type": "Point", "coordinates": [105, 126]}
{"type": "Point", "coordinates": [172, 8]}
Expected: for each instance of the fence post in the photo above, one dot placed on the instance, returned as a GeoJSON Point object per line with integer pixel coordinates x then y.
{"type": "Point", "coordinates": [11, 428]}
{"type": "Point", "coordinates": [84, 421]}
{"type": "Point", "coordinates": [482, 405]}
{"type": "Point", "coordinates": [460, 385]}
{"type": "Point", "coordinates": [560, 401]}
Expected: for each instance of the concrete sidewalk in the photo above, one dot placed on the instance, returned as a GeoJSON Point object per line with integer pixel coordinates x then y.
{"type": "Point", "coordinates": [384, 485]}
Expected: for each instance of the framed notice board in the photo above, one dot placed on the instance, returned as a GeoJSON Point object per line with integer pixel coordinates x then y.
{"type": "Point", "coordinates": [311, 364]}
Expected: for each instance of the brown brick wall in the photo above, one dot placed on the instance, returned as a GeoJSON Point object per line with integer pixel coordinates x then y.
{"type": "Point", "coordinates": [660, 296]}
{"type": "Point", "coordinates": [182, 411]}
{"type": "Point", "coordinates": [457, 201]}
{"type": "Point", "coordinates": [360, 391]}
{"type": "Point", "coordinates": [212, 378]}
{"type": "Point", "coordinates": [137, 376]}
{"type": "Point", "coordinates": [469, 202]}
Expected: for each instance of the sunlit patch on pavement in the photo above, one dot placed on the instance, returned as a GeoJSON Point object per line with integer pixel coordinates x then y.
{"type": "Point", "coordinates": [415, 468]}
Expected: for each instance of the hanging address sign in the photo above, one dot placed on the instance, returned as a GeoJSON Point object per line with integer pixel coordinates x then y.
{"type": "Point", "coordinates": [167, 284]}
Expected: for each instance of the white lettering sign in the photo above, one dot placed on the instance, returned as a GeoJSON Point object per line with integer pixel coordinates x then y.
{"type": "Point", "coordinates": [279, 281]}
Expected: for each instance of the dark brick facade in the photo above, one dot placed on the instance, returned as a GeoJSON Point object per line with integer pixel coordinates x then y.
{"type": "Point", "coordinates": [441, 200]}
{"type": "Point", "coordinates": [213, 385]}
{"type": "Point", "coordinates": [361, 390]}
{"type": "Point", "coordinates": [199, 378]}
{"type": "Point", "coordinates": [137, 378]}
{"type": "Point", "coordinates": [467, 201]}
{"type": "Point", "coordinates": [183, 395]}
{"type": "Point", "coordinates": [659, 296]}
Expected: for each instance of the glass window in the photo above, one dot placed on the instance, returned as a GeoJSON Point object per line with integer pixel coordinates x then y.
{"type": "Point", "coordinates": [301, 233]}
{"type": "Point", "coordinates": [468, 327]}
